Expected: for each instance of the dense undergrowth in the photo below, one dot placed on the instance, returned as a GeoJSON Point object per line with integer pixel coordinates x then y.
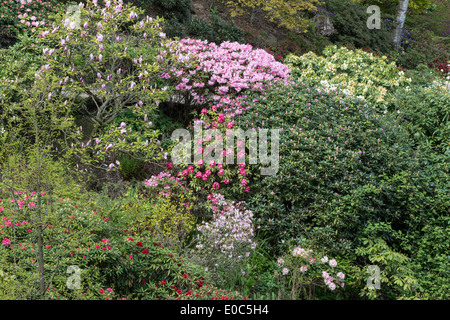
{"type": "Point", "coordinates": [93, 200]}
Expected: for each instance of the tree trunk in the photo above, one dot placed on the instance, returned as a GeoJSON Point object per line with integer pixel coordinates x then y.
{"type": "Point", "coordinates": [252, 16]}
{"type": "Point", "coordinates": [398, 23]}
{"type": "Point", "coordinates": [40, 230]}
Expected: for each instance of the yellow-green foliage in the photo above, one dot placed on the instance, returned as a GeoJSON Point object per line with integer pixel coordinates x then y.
{"type": "Point", "coordinates": [356, 73]}
{"type": "Point", "coordinates": [158, 216]}
{"type": "Point", "coordinates": [20, 172]}
{"type": "Point", "coordinates": [10, 287]}
{"type": "Point", "coordinates": [288, 13]}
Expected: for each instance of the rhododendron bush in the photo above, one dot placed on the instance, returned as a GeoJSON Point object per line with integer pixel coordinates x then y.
{"type": "Point", "coordinates": [113, 263]}
{"type": "Point", "coordinates": [356, 73]}
{"type": "Point", "coordinates": [20, 15]}
{"type": "Point", "coordinates": [209, 72]}
{"type": "Point", "coordinates": [304, 271]}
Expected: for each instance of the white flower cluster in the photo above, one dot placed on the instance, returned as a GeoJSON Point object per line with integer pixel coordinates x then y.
{"type": "Point", "coordinates": [330, 281]}
{"type": "Point", "coordinates": [300, 252]}
{"type": "Point", "coordinates": [230, 231]}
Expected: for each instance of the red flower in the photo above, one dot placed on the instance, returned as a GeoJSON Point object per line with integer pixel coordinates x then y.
{"type": "Point", "coordinates": [185, 275]}
{"type": "Point", "coordinates": [188, 293]}
{"type": "Point", "coordinates": [143, 280]}
{"type": "Point", "coordinates": [171, 255]}
{"type": "Point", "coordinates": [214, 298]}
{"type": "Point", "coordinates": [163, 282]}
{"type": "Point", "coordinates": [145, 251]}
{"type": "Point", "coordinates": [131, 239]}
{"type": "Point", "coordinates": [224, 298]}
{"type": "Point", "coordinates": [139, 244]}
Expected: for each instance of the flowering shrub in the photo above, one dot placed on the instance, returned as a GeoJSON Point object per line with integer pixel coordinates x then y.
{"type": "Point", "coordinates": [441, 65]}
{"type": "Point", "coordinates": [112, 263]}
{"type": "Point", "coordinates": [99, 60]}
{"type": "Point", "coordinates": [301, 270]}
{"type": "Point", "coordinates": [13, 13]}
{"type": "Point", "coordinates": [220, 75]}
{"type": "Point", "coordinates": [223, 242]}
{"type": "Point", "coordinates": [199, 291]}
{"type": "Point", "coordinates": [211, 70]}
{"type": "Point", "coordinates": [356, 73]}
{"type": "Point", "coordinates": [229, 233]}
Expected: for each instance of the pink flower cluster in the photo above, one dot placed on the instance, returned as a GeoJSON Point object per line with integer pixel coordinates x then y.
{"type": "Point", "coordinates": [169, 184]}
{"type": "Point", "coordinates": [32, 13]}
{"type": "Point", "coordinates": [330, 281]}
{"type": "Point", "coordinates": [154, 180]}
{"type": "Point", "coordinates": [228, 68]}
{"type": "Point", "coordinates": [8, 223]}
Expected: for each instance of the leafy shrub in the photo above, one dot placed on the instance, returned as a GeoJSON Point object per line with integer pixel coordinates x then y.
{"type": "Point", "coordinates": [426, 113]}
{"type": "Point", "coordinates": [215, 30]}
{"type": "Point", "coordinates": [317, 43]}
{"type": "Point", "coordinates": [338, 170]}
{"type": "Point", "coordinates": [24, 59]}
{"type": "Point", "coordinates": [350, 27]}
{"type": "Point", "coordinates": [112, 263]}
{"type": "Point", "coordinates": [175, 29]}
{"type": "Point", "coordinates": [283, 48]}
{"type": "Point", "coordinates": [170, 206]}
{"type": "Point", "coordinates": [432, 251]}
{"type": "Point", "coordinates": [176, 14]}
{"type": "Point", "coordinates": [356, 73]}
{"type": "Point", "coordinates": [131, 166]}
{"type": "Point", "coordinates": [397, 279]}
{"type": "Point", "coordinates": [20, 171]}
{"type": "Point", "coordinates": [7, 37]}
{"type": "Point", "coordinates": [178, 10]}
